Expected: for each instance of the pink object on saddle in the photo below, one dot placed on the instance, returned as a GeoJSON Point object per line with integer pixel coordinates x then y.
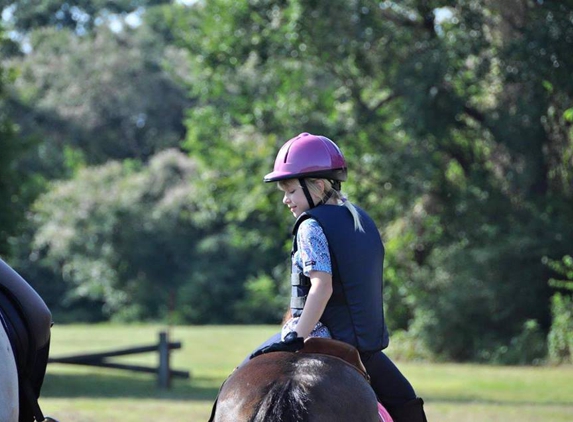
{"type": "Point", "coordinates": [384, 415]}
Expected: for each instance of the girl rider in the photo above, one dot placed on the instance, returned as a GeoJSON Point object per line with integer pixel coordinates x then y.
{"type": "Point", "coordinates": [337, 260]}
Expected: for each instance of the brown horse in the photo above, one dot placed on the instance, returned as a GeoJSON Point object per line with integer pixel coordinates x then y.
{"type": "Point", "coordinates": [296, 387]}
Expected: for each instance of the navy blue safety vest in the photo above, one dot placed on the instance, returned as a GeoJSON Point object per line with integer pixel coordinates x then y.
{"type": "Point", "coordinates": [354, 313]}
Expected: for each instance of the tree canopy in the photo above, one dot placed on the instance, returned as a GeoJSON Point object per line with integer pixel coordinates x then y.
{"type": "Point", "coordinates": [455, 119]}
{"type": "Point", "coordinates": [80, 16]}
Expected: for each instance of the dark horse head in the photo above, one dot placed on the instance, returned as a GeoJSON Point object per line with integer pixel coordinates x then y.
{"type": "Point", "coordinates": [296, 387]}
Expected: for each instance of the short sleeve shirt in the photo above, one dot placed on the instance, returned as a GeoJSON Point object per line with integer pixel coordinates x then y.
{"type": "Point", "coordinates": [312, 248]}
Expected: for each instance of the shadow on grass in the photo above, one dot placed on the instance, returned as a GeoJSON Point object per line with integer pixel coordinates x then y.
{"type": "Point", "coordinates": [126, 385]}
{"type": "Point", "coordinates": [123, 384]}
{"type": "Point", "coordinates": [483, 401]}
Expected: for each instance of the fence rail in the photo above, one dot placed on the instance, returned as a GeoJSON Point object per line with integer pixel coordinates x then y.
{"type": "Point", "coordinates": [163, 370]}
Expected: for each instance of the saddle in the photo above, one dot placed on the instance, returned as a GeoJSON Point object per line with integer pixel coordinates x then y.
{"type": "Point", "coordinates": [337, 349]}
{"type": "Point", "coordinates": [27, 321]}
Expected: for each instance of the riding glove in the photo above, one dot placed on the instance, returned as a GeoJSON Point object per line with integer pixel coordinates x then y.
{"type": "Point", "coordinates": [291, 343]}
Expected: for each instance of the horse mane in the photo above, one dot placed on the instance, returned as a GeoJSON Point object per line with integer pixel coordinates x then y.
{"type": "Point", "coordinates": [286, 402]}
{"type": "Point", "coordinates": [287, 399]}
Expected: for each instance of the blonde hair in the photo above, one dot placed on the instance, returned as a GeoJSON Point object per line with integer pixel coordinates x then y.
{"type": "Point", "coordinates": [338, 196]}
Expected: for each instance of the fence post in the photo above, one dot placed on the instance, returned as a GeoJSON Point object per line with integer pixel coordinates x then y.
{"type": "Point", "coordinates": [164, 371]}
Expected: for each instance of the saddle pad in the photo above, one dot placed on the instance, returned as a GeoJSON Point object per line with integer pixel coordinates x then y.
{"type": "Point", "coordinates": [384, 415]}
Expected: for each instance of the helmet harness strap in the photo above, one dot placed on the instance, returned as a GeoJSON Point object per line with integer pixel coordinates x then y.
{"type": "Point", "coordinates": [308, 196]}
{"type": "Point", "coordinates": [306, 192]}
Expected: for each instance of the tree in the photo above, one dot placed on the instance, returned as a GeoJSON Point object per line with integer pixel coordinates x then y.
{"type": "Point", "coordinates": [110, 234]}
{"type": "Point", "coordinates": [509, 211]}
{"type": "Point", "coordinates": [109, 96]}
{"type": "Point", "coordinates": [70, 110]}
{"type": "Point", "coordinates": [80, 15]}
{"type": "Point", "coordinates": [17, 187]}
{"type": "Point", "coordinates": [140, 242]}
{"type": "Point", "coordinates": [458, 138]}
{"type": "Point", "coordinates": [8, 188]}
{"type": "Point", "coordinates": [455, 119]}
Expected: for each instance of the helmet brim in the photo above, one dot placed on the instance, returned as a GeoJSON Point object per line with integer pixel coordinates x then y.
{"type": "Point", "coordinates": [339, 174]}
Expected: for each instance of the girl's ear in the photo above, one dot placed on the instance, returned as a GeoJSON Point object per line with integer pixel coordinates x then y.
{"type": "Point", "coordinates": [320, 185]}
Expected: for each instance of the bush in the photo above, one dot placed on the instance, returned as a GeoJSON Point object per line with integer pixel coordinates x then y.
{"type": "Point", "coordinates": [528, 347]}
{"type": "Point", "coordinates": [263, 302]}
{"type": "Point", "coordinates": [408, 346]}
{"type": "Point", "coordinates": [560, 339]}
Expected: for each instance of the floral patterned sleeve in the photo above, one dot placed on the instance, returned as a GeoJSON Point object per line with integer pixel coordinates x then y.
{"type": "Point", "coordinates": [313, 248]}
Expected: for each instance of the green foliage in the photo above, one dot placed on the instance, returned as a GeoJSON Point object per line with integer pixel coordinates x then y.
{"type": "Point", "coordinates": [108, 96]}
{"type": "Point", "coordinates": [408, 346]}
{"type": "Point", "coordinates": [442, 144]}
{"type": "Point", "coordinates": [146, 242]}
{"type": "Point", "coordinates": [8, 176]}
{"type": "Point", "coordinates": [527, 348]}
{"type": "Point", "coordinates": [455, 121]}
{"type": "Point", "coordinates": [79, 15]}
{"type": "Point", "coordinates": [18, 185]}
{"type": "Point", "coordinates": [560, 340]}
{"type": "Point", "coordinates": [264, 301]}
{"type": "Point", "coordinates": [88, 229]}
{"type": "Point", "coordinates": [564, 268]}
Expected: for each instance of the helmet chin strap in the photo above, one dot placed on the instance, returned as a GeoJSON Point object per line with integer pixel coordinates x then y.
{"type": "Point", "coordinates": [308, 196]}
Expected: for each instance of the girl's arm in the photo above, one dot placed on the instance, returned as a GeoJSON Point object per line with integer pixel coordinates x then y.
{"type": "Point", "coordinates": [320, 292]}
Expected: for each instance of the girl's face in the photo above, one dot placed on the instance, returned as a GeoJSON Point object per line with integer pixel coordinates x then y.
{"type": "Point", "coordinates": [294, 197]}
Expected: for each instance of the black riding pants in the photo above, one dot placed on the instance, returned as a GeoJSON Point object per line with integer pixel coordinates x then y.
{"type": "Point", "coordinates": [389, 384]}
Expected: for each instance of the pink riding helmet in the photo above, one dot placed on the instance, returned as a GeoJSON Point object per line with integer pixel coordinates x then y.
{"type": "Point", "coordinates": [308, 155]}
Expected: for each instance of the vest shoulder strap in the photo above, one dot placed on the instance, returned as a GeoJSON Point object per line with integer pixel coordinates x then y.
{"type": "Point", "coordinates": [304, 216]}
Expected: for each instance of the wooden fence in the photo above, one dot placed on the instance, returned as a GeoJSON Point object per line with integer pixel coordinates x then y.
{"type": "Point", "coordinates": [163, 370]}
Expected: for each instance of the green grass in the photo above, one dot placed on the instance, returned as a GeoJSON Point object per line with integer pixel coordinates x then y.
{"type": "Point", "coordinates": [453, 392]}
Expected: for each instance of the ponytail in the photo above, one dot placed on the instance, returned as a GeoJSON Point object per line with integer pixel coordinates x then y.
{"type": "Point", "coordinates": [340, 199]}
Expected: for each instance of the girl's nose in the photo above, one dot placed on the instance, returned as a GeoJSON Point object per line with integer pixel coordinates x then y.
{"type": "Point", "coordinates": [285, 199]}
